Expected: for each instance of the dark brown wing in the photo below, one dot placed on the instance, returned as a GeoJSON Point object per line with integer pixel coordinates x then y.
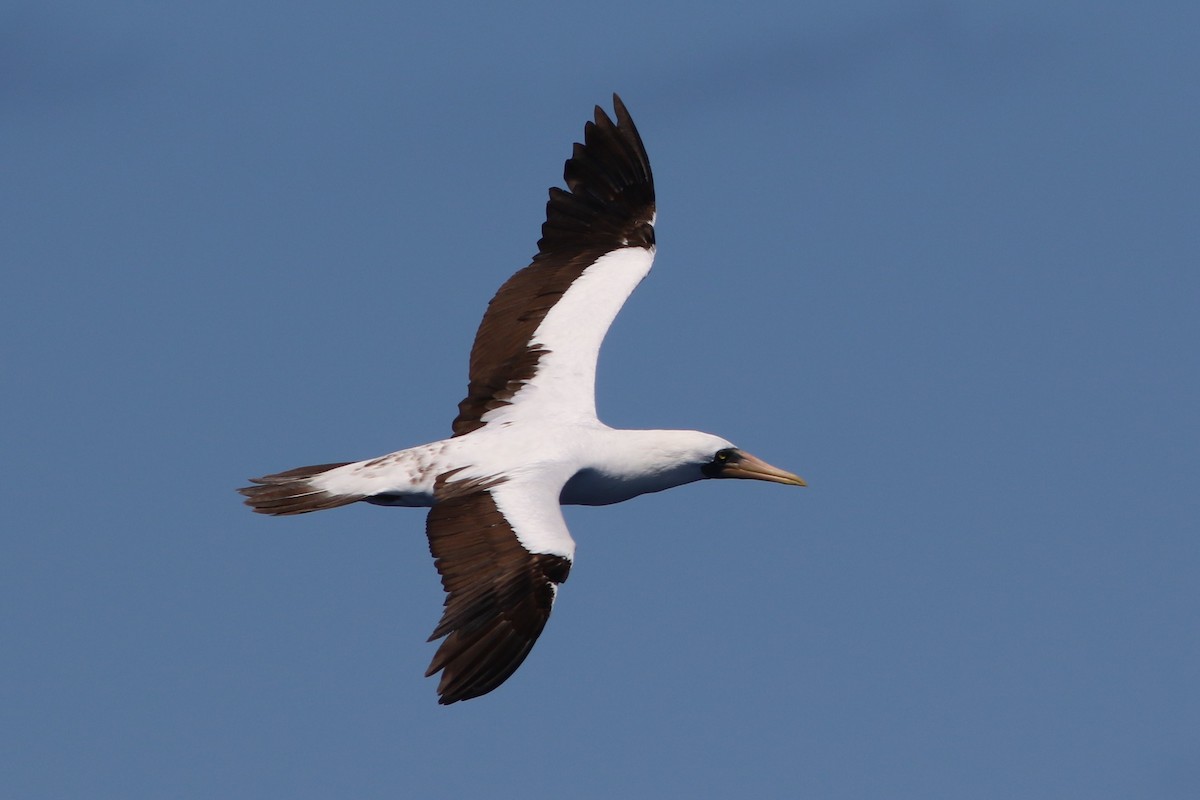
{"type": "Point", "coordinates": [608, 205]}
{"type": "Point", "coordinates": [499, 594]}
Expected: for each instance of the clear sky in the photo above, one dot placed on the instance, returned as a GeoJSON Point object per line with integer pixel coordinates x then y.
{"type": "Point", "coordinates": [941, 259]}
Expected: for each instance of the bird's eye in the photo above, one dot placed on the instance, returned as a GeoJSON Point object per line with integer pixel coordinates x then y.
{"type": "Point", "coordinates": [723, 456]}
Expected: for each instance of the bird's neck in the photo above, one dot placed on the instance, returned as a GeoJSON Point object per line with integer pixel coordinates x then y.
{"type": "Point", "coordinates": [622, 464]}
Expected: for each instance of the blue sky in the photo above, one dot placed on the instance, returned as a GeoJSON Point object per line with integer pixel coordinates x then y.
{"type": "Point", "coordinates": [938, 258]}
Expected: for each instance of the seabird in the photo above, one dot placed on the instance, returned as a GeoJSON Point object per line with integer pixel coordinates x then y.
{"type": "Point", "coordinates": [526, 439]}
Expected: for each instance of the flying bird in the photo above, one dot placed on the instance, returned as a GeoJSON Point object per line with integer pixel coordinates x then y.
{"type": "Point", "coordinates": [527, 439]}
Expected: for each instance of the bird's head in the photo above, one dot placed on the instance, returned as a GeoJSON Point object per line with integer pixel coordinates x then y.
{"type": "Point", "coordinates": [718, 458]}
{"type": "Point", "coordinates": [730, 462]}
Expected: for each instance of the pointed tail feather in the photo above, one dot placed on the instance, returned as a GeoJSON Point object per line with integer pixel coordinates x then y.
{"type": "Point", "coordinates": [293, 492]}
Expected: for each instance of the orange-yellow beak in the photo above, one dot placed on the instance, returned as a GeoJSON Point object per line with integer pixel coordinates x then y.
{"type": "Point", "coordinates": [752, 467]}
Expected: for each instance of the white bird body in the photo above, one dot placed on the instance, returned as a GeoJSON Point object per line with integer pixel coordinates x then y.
{"type": "Point", "coordinates": [527, 439]}
{"type": "Point", "coordinates": [593, 464]}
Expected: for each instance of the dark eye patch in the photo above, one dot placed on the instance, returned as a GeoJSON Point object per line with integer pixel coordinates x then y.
{"type": "Point", "coordinates": [721, 459]}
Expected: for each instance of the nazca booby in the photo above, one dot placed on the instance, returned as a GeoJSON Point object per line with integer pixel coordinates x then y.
{"type": "Point", "coordinates": [526, 438]}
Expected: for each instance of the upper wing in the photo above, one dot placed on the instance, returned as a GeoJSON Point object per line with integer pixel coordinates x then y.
{"type": "Point", "coordinates": [501, 550]}
{"type": "Point", "coordinates": [545, 324]}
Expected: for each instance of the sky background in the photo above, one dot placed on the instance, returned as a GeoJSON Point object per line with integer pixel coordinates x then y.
{"type": "Point", "coordinates": [939, 258]}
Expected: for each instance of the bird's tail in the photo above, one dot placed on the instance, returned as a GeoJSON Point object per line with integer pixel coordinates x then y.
{"type": "Point", "coordinates": [295, 491]}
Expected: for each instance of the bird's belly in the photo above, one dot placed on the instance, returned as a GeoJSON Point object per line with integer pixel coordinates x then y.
{"type": "Point", "coordinates": [589, 487]}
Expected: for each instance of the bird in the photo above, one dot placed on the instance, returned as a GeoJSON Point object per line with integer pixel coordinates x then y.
{"type": "Point", "coordinates": [527, 439]}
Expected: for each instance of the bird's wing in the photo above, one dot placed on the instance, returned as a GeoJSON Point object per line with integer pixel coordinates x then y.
{"type": "Point", "coordinates": [502, 549]}
{"type": "Point", "coordinates": [536, 348]}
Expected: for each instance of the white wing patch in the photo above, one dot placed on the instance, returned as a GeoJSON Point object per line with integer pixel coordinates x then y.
{"type": "Point", "coordinates": [572, 332]}
{"type": "Point", "coordinates": [532, 510]}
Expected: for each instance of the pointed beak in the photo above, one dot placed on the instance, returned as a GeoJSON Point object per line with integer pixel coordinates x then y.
{"type": "Point", "coordinates": [755, 468]}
